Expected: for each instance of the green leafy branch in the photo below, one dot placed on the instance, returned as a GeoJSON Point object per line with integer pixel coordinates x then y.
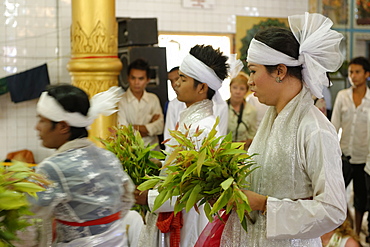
{"type": "Point", "coordinates": [213, 174]}
{"type": "Point", "coordinates": [138, 160]}
{"type": "Point", "coordinates": [16, 182]}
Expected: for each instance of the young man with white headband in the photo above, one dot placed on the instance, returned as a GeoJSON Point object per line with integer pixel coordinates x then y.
{"type": "Point", "coordinates": [201, 74]}
{"type": "Point", "coordinates": [91, 193]}
{"type": "Point", "coordinates": [175, 107]}
{"type": "Point", "coordinates": [297, 193]}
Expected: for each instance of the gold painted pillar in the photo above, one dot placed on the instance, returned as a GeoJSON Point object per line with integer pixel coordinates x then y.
{"type": "Point", "coordinates": [94, 65]}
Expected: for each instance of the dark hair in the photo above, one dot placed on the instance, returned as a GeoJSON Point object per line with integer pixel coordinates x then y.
{"type": "Point", "coordinates": [72, 99]}
{"type": "Point", "coordinates": [174, 69]}
{"type": "Point", "coordinates": [283, 40]}
{"type": "Point", "coordinates": [139, 64]}
{"type": "Point", "coordinates": [213, 59]}
{"type": "Point", "coordinates": [361, 61]}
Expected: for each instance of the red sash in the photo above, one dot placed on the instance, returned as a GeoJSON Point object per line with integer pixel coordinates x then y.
{"type": "Point", "coordinates": [105, 220]}
{"type": "Point", "coordinates": [168, 222]}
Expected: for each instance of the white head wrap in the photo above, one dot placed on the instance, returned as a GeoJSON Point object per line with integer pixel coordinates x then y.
{"type": "Point", "coordinates": [236, 66]}
{"type": "Point", "coordinates": [319, 51]}
{"type": "Point", "coordinates": [102, 103]}
{"type": "Point", "coordinates": [193, 67]}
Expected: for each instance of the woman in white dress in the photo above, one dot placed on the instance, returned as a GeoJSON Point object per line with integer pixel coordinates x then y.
{"type": "Point", "coordinates": [297, 193]}
{"type": "Point", "coordinates": [242, 122]}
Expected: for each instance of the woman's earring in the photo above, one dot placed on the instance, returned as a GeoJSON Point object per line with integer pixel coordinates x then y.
{"type": "Point", "coordinates": [278, 80]}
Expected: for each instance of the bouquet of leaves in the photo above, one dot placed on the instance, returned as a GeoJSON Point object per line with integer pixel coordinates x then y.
{"type": "Point", "coordinates": [16, 182]}
{"type": "Point", "coordinates": [138, 160]}
{"type": "Point", "coordinates": [212, 174]}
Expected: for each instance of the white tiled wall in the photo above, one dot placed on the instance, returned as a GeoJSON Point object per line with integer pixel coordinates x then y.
{"type": "Point", "coordinates": [37, 31]}
{"type": "Point", "coordinates": [221, 18]}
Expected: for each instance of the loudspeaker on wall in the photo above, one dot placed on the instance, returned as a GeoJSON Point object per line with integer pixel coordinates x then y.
{"type": "Point", "coordinates": [137, 31]}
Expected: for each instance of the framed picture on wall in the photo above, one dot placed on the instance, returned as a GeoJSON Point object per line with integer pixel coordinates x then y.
{"type": "Point", "coordinates": [337, 11]}
{"type": "Point", "coordinates": [247, 27]}
{"type": "Point", "coordinates": [362, 13]}
{"type": "Point", "coordinates": [361, 41]}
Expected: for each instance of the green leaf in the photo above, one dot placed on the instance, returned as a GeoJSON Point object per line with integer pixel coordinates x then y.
{"type": "Point", "coordinates": [228, 137]}
{"type": "Point", "coordinates": [243, 197]}
{"type": "Point", "coordinates": [159, 200]}
{"type": "Point", "coordinates": [12, 200]}
{"type": "Point", "coordinates": [167, 196]}
{"type": "Point", "coordinates": [185, 197]}
{"type": "Point", "coordinates": [226, 184]}
{"type": "Point", "coordinates": [231, 204]}
{"type": "Point", "coordinates": [240, 210]}
{"type": "Point", "coordinates": [201, 158]}
{"type": "Point", "coordinates": [171, 158]}
{"type": "Point", "coordinates": [27, 187]}
{"type": "Point", "coordinates": [168, 179]}
{"type": "Point", "coordinates": [244, 224]}
{"type": "Point", "coordinates": [143, 153]}
{"type": "Point", "coordinates": [214, 191]}
{"type": "Point", "coordinates": [232, 151]}
{"type": "Point", "coordinates": [18, 166]}
{"type": "Point", "coordinates": [221, 201]}
{"type": "Point", "coordinates": [149, 184]}
{"type": "Point", "coordinates": [215, 141]}
{"type": "Point", "coordinates": [213, 131]}
{"type": "Point", "coordinates": [207, 211]}
{"type": "Point", "coordinates": [192, 198]}
{"type": "Point", "coordinates": [188, 171]}
{"type": "Point", "coordinates": [179, 206]}
{"type": "Point", "coordinates": [181, 138]}
{"type": "Point", "coordinates": [238, 145]}
{"type": "Point", "coordinates": [7, 236]}
{"type": "Point", "coordinates": [157, 155]}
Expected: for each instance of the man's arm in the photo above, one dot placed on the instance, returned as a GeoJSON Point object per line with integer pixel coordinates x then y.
{"type": "Point", "coordinates": [142, 128]}
{"type": "Point", "coordinates": [156, 125]}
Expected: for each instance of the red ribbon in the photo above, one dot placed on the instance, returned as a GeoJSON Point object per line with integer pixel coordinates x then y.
{"type": "Point", "coordinates": [168, 222]}
{"type": "Point", "coordinates": [105, 220]}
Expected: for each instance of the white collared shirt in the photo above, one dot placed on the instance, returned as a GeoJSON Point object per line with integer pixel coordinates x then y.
{"type": "Point", "coordinates": [134, 111]}
{"type": "Point", "coordinates": [354, 123]}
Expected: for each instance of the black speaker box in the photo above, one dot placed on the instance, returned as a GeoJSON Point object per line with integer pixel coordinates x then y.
{"type": "Point", "coordinates": [137, 31]}
{"type": "Point", "coordinates": [156, 57]}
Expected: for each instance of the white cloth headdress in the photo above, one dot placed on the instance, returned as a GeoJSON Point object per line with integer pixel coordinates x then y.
{"type": "Point", "coordinates": [235, 65]}
{"type": "Point", "coordinates": [193, 67]}
{"type": "Point", "coordinates": [102, 103]}
{"type": "Point", "coordinates": [319, 51]}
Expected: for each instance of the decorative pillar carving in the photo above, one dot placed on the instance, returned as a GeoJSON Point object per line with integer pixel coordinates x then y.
{"type": "Point", "coordinates": [94, 65]}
